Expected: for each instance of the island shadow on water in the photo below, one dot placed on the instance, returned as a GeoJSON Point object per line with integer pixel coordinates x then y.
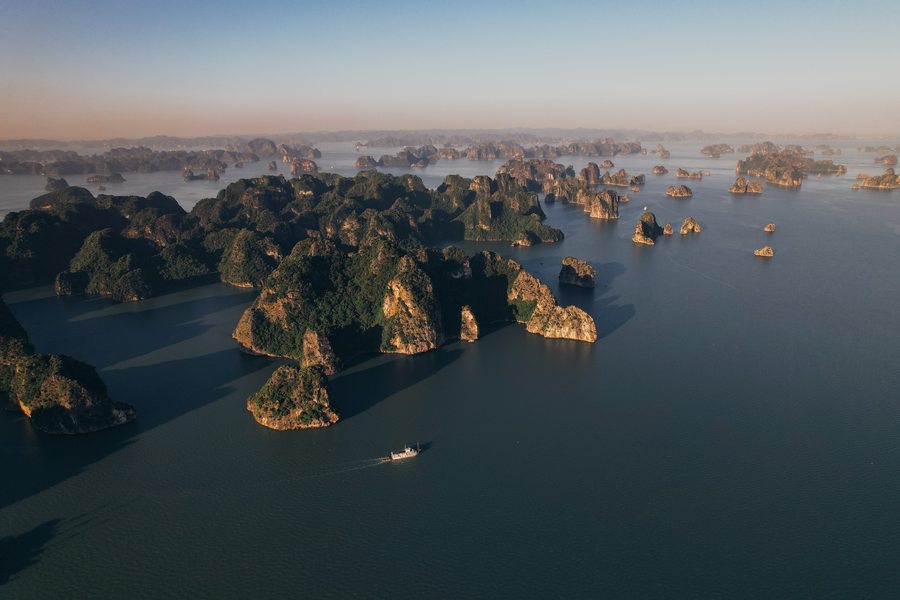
{"type": "Point", "coordinates": [18, 552]}
{"type": "Point", "coordinates": [360, 390]}
{"type": "Point", "coordinates": [599, 301]}
{"type": "Point", "coordinates": [106, 334]}
{"type": "Point", "coordinates": [22, 551]}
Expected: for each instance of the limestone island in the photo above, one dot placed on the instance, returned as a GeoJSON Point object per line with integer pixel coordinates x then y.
{"type": "Point", "coordinates": [410, 157]}
{"type": "Point", "coordinates": [293, 398]}
{"type": "Point", "coordinates": [685, 174]}
{"type": "Point", "coordinates": [619, 179]}
{"type": "Point", "coordinates": [344, 267]}
{"type": "Point", "coordinates": [716, 150]}
{"type": "Point", "coordinates": [468, 325]}
{"type": "Point", "coordinates": [784, 167]}
{"type": "Point", "coordinates": [301, 166]}
{"type": "Point", "coordinates": [57, 393]}
{"type": "Point", "coordinates": [366, 162]}
{"type": "Point", "coordinates": [888, 181]}
{"type": "Point", "coordinates": [765, 252]}
{"type": "Point", "coordinates": [141, 159]}
{"type": "Point", "coordinates": [111, 178]}
{"type": "Point", "coordinates": [769, 228]}
{"type": "Point", "coordinates": [659, 170]}
{"type": "Point", "coordinates": [647, 230]}
{"type": "Point", "coordinates": [577, 272]}
{"type": "Point", "coordinates": [745, 186]}
{"type": "Point", "coordinates": [690, 225]}
{"type": "Point", "coordinates": [682, 191]}
{"type": "Point", "coordinates": [212, 174]}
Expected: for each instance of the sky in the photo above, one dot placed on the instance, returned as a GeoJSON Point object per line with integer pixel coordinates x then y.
{"type": "Point", "coordinates": [96, 69]}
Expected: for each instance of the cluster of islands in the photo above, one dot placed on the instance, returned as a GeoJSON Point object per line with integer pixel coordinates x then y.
{"type": "Point", "coordinates": [345, 266]}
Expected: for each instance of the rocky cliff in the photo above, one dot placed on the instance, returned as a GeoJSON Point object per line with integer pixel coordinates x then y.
{"type": "Point", "coordinates": [468, 327]}
{"type": "Point", "coordinates": [603, 204]}
{"type": "Point", "coordinates": [690, 225]}
{"type": "Point", "coordinates": [542, 315]}
{"type": "Point", "coordinates": [412, 320]}
{"type": "Point", "coordinates": [745, 186]}
{"type": "Point", "coordinates": [646, 230]}
{"type": "Point", "coordinates": [577, 272]}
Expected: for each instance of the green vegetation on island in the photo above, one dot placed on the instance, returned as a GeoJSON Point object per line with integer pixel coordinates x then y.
{"type": "Point", "coordinates": [58, 393]}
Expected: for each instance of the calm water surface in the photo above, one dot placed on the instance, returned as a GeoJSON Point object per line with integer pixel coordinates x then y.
{"type": "Point", "coordinates": [735, 432]}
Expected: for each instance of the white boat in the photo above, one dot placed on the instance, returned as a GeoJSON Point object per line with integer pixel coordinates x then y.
{"type": "Point", "coordinates": [407, 452]}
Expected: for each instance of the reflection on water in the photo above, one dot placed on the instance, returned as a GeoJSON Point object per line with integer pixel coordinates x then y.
{"type": "Point", "coordinates": [732, 433]}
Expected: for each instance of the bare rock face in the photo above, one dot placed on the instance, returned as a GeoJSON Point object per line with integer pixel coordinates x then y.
{"type": "Point", "coordinates": [888, 159]}
{"type": "Point", "coordinates": [575, 271]}
{"type": "Point", "coordinates": [270, 311]}
{"type": "Point", "coordinates": [659, 170]}
{"type": "Point", "coordinates": [646, 230]}
{"type": "Point", "coordinates": [468, 331]}
{"type": "Point", "coordinates": [765, 251]}
{"type": "Point", "coordinates": [483, 185]}
{"type": "Point", "coordinates": [603, 204]}
{"type": "Point", "coordinates": [770, 228]}
{"type": "Point", "coordinates": [366, 162]}
{"type": "Point", "coordinates": [690, 225]}
{"type": "Point", "coordinates": [682, 191]}
{"type": "Point", "coordinates": [542, 315]}
{"type": "Point", "coordinates": [299, 166]}
{"type": "Point", "coordinates": [317, 351]}
{"type": "Point", "coordinates": [409, 307]}
{"type": "Point", "coordinates": [744, 186]}
{"type": "Point", "coordinates": [618, 179]}
{"type": "Point", "coordinates": [590, 174]}
{"type": "Point", "coordinates": [607, 164]}
{"type": "Point", "coordinates": [293, 398]}
{"type": "Point", "coordinates": [667, 229]}
{"type": "Point", "coordinates": [790, 177]}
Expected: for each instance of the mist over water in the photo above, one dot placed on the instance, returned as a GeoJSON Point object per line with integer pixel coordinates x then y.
{"type": "Point", "coordinates": [734, 432]}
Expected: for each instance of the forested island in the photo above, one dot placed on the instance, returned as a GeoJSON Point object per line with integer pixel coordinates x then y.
{"type": "Point", "coordinates": [109, 164]}
{"type": "Point", "coordinates": [784, 166]}
{"type": "Point", "coordinates": [345, 266]}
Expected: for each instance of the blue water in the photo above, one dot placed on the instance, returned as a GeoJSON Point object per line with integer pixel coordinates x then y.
{"type": "Point", "coordinates": [735, 431]}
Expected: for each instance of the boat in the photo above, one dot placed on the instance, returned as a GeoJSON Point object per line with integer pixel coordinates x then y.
{"type": "Point", "coordinates": [407, 452]}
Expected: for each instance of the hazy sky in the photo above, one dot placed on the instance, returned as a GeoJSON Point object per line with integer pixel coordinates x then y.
{"type": "Point", "coordinates": [134, 68]}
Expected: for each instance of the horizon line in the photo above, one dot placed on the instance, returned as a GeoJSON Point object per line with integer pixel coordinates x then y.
{"type": "Point", "coordinates": [446, 130]}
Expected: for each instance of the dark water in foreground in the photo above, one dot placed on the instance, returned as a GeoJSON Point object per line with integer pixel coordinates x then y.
{"type": "Point", "coordinates": [735, 432]}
